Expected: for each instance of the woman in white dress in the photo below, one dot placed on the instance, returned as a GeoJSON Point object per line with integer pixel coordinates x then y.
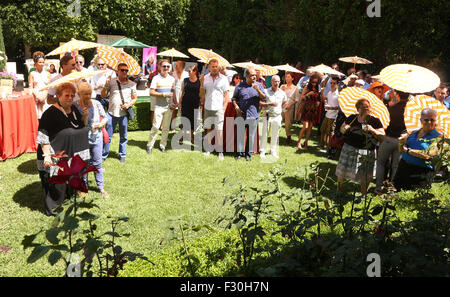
{"type": "Point", "coordinates": [38, 79]}
{"type": "Point", "coordinates": [293, 95]}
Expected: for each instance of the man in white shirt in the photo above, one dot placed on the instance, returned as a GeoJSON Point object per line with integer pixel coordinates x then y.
{"type": "Point", "coordinates": [214, 96]}
{"type": "Point", "coordinates": [79, 63]}
{"type": "Point", "coordinates": [162, 90]}
{"type": "Point", "coordinates": [122, 96]}
{"type": "Point", "coordinates": [99, 81]}
{"type": "Point", "coordinates": [276, 99]}
{"type": "Point", "coordinates": [331, 108]}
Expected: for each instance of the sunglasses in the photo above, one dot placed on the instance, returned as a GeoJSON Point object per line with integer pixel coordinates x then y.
{"type": "Point", "coordinates": [80, 62]}
{"type": "Point", "coordinates": [123, 70]}
{"type": "Point", "coordinates": [101, 64]}
{"type": "Point", "coordinates": [165, 66]}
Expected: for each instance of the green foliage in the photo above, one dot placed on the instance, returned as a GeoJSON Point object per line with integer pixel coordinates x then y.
{"type": "Point", "coordinates": [75, 232]}
{"type": "Point", "coordinates": [2, 48]}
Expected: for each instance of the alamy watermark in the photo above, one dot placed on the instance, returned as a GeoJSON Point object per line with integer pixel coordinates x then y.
{"type": "Point", "coordinates": [374, 8]}
{"type": "Point", "coordinates": [74, 8]}
{"type": "Point", "coordinates": [374, 268]}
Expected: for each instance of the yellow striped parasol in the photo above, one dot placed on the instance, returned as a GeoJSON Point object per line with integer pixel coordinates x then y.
{"type": "Point", "coordinates": [349, 96]}
{"type": "Point", "coordinates": [72, 77]}
{"type": "Point", "coordinates": [268, 70]}
{"type": "Point", "coordinates": [410, 78]}
{"type": "Point", "coordinates": [415, 106]}
{"type": "Point", "coordinates": [207, 55]}
{"type": "Point", "coordinates": [249, 64]}
{"type": "Point", "coordinates": [72, 45]}
{"type": "Point", "coordinates": [113, 57]}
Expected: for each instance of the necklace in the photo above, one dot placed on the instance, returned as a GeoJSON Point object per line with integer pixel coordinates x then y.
{"type": "Point", "coordinates": [73, 114]}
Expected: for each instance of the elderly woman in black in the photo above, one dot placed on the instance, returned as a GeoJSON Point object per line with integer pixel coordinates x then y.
{"type": "Point", "coordinates": [361, 133]}
{"type": "Point", "coordinates": [61, 129]}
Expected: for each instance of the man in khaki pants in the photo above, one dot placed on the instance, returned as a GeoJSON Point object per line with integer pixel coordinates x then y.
{"type": "Point", "coordinates": [162, 89]}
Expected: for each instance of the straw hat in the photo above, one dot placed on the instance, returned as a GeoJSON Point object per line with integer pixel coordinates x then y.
{"type": "Point", "coordinates": [378, 85]}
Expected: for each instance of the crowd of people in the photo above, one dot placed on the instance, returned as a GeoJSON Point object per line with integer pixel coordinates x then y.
{"type": "Point", "coordinates": [92, 109]}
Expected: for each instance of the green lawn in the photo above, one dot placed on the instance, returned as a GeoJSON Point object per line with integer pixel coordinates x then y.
{"type": "Point", "coordinates": [148, 189]}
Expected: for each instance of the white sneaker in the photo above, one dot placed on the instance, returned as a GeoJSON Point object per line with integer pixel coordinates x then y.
{"type": "Point", "coordinates": [221, 158]}
{"type": "Point", "coordinates": [275, 156]}
{"type": "Point", "coordinates": [206, 154]}
{"type": "Point", "coordinates": [262, 155]}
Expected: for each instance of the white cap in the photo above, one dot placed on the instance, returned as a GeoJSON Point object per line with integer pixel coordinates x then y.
{"type": "Point", "coordinates": [360, 82]}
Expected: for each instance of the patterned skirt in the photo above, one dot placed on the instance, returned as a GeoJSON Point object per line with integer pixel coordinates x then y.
{"type": "Point", "coordinates": [356, 164]}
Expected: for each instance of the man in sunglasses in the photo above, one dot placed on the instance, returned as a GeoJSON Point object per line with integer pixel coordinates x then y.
{"type": "Point", "coordinates": [99, 81]}
{"type": "Point", "coordinates": [162, 90]}
{"type": "Point", "coordinates": [122, 96]}
{"type": "Point", "coordinates": [79, 63]}
{"type": "Point", "coordinates": [67, 63]}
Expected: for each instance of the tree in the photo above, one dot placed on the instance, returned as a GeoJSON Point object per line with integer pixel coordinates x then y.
{"type": "Point", "coordinates": [2, 49]}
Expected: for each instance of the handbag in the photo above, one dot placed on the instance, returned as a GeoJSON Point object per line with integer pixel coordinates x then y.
{"type": "Point", "coordinates": [336, 142]}
{"type": "Point", "coordinates": [130, 111]}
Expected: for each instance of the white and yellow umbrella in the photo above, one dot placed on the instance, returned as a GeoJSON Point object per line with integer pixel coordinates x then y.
{"type": "Point", "coordinates": [349, 96]}
{"type": "Point", "coordinates": [206, 55]}
{"type": "Point", "coordinates": [414, 108]}
{"type": "Point", "coordinates": [248, 65]}
{"type": "Point", "coordinates": [410, 78]}
{"type": "Point", "coordinates": [288, 68]}
{"type": "Point", "coordinates": [173, 53]}
{"type": "Point", "coordinates": [113, 57]}
{"type": "Point", "coordinates": [73, 77]}
{"type": "Point", "coordinates": [355, 60]}
{"type": "Point", "coordinates": [72, 45]}
{"type": "Point", "coordinates": [322, 68]}
{"type": "Point", "coordinates": [268, 70]}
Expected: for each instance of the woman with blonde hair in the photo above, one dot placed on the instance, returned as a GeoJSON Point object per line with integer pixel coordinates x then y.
{"type": "Point", "coordinates": [96, 120]}
{"type": "Point", "coordinates": [38, 79]}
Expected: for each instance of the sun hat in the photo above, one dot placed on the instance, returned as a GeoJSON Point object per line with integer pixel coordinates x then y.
{"type": "Point", "coordinates": [378, 85]}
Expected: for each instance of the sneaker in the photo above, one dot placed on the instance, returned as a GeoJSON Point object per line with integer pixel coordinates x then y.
{"type": "Point", "coordinates": [248, 158]}
{"type": "Point", "coordinates": [221, 157]}
{"type": "Point", "coordinates": [262, 155]}
{"type": "Point", "coordinates": [275, 155]}
{"type": "Point", "coordinates": [237, 157]}
{"type": "Point", "coordinates": [149, 150]}
{"type": "Point", "coordinates": [206, 154]}
{"type": "Point", "coordinates": [122, 159]}
{"type": "Point", "coordinates": [322, 150]}
{"type": "Point", "coordinates": [163, 149]}
{"type": "Point", "coordinates": [104, 193]}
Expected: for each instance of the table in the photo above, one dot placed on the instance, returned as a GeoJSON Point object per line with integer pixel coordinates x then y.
{"type": "Point", "coordinates": [230, 134]}
{"type": "Point", "coordinates": [18, 126]}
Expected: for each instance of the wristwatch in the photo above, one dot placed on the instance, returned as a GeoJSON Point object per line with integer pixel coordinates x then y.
{"type": "Point", "coordinates": [407, 150]}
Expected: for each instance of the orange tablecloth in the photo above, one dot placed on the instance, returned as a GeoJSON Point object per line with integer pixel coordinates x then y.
{"type": "Point", "coordinates": [230, 134]}
{"type": "Point", "coordinates": [18, 126]}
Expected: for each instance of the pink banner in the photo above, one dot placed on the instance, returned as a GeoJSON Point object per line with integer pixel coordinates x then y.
{"type": "Point", "coordinates": [149, 59]}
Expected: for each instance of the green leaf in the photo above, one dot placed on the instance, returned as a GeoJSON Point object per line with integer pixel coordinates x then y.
{"type": "Point", "coordinates": [54, 257]}
{"type": "Point", "coordinates": [377, 209]}
{"type": "Point", "coordinates": [52, 235]}
{"type": "Point", "coordinates": [85, 216]}
{"type": "Point", "coordinates": [70, 223]}
{"type": "Point", "coordinates": [28, 240]}
{"type": "Point", "coordinates": [37, 253]}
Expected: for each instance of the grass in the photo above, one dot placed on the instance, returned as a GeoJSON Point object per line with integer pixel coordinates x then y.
{"type": "Point", "coordinates": [148, 189]}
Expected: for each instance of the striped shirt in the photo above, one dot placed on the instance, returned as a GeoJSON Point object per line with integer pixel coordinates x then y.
{"type": "Point", "coordinates": [163, 85]}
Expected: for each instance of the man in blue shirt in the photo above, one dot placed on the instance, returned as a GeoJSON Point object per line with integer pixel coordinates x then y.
{"type": "Point", "coordinates": [246, 99]}
{"type": "Point", "coordinates": [440, 93]}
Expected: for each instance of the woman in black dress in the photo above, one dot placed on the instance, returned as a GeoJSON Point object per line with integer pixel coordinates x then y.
{"type": "Point", "coordinates": [190, 99]}
{"type": "Point", "coordinates": [61, 129]}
